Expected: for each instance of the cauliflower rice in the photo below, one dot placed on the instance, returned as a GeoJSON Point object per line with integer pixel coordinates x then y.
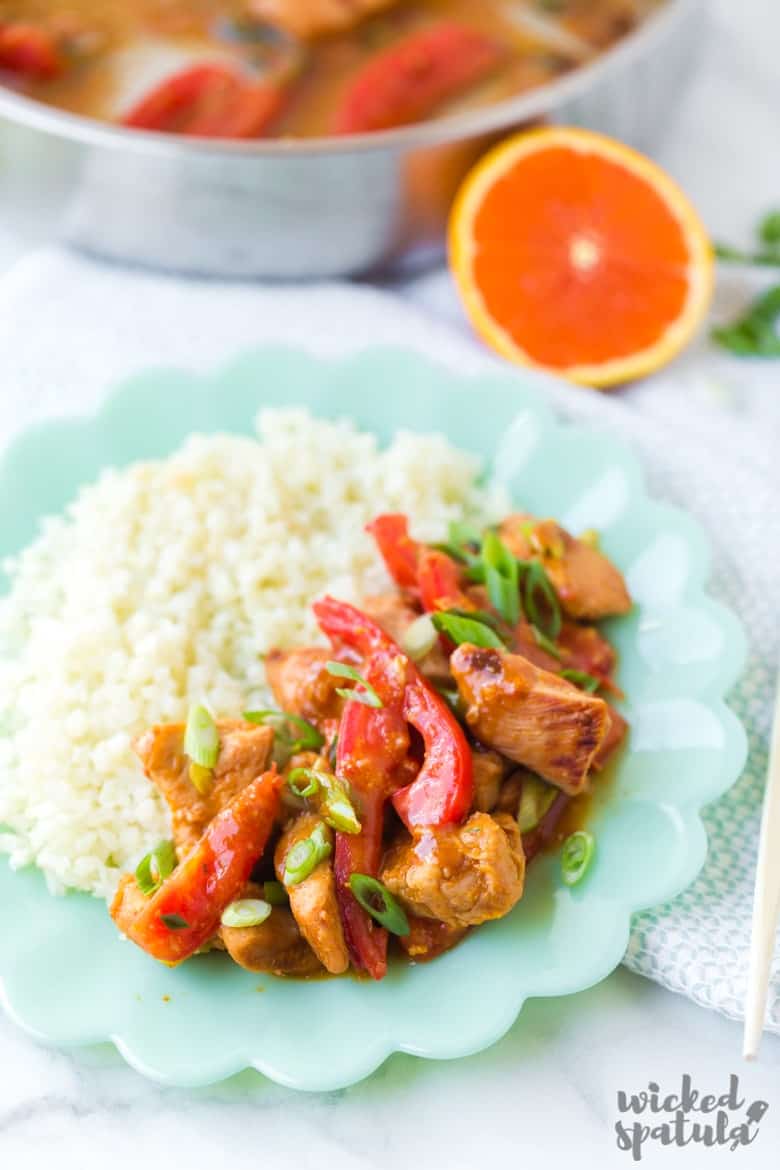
{"type": "Point", "coordinates": [164, 583]}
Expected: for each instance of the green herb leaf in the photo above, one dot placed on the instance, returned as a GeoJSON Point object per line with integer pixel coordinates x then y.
{"type": "Point", "coordinates": [462, 629]}
{"type": "Point", "coordinates": [368, 695]}
{"type": "Point", "coordinates": [769, 229]}
{"type": "Point", "coordinates": [576, 856]}
{"type": "Point", "coordinates": [245, 912]}
{"type": "Point", "coordinates": [153, 869]}
{"type": "Point", "coordinates": [581, 678]}
{"type": "Point", "coordinates": [377, 901]}
{"type": "Point", "coordinates": [755, 334]}
{"type": "Point", "coordinates": [768, 258]}
{"type": "Point", "coordinates": [174, 921]}
{"type": "Point", "coordinates": [201, 738]}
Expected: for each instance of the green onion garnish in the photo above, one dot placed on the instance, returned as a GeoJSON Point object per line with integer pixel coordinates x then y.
{"type": "Point", "coordinates": [202, 778]}
{"type": "Point", "coordinates": [540, 600]}
{"type": "Point", "coordinates": [463, 543]}
{"type": "Point", "coordinates": [305, 856]}
{"type": "Point", "coordinates": [535, 800]}
{"type": "Point", "coordinates": [377, 901]}
{"type": "Point", "coordinates": [303, 782]}
{"type": "Point", "coordinates": [419, 638]}
{"type": "Point", "coordinates": [174, 921]}
{"type": "Point", "coordinates": [152, 870]}
{"type": "Point", "coordinates": [591, 537]}
{"type": "Point", "coordinates": [544, 643]}
{"type": "Point", "coordinates": [367, 696]}
{"type": "Point", "coordinates": [502, 577]}
{"type": "Point", "coordinates": [576, 856]}
{"type": "Point", "coordinates": [461, 629]}
{"type": "Point", "coordinates": [292, 733]}
{"type": "Point", "coordinates": [245, 912]}
{"type": "Point", "coordinates": [201, 738]}
{"type": "Point", "coordinates": [275, 894]}
{"type": "Point", "coordinates": [581, 678]}
{"type": "Point", "coordinates": [333, 752]}
{"type": "Point", "coordinates": [336, 807]}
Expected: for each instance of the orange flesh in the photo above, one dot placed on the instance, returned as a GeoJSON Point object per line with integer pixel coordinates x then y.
{"type": "Point", "coordinates": [565, 245]}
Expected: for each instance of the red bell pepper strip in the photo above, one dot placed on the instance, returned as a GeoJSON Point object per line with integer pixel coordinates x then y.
{"type": "Point", "coordinates": [30, 51]}
{"type": "Point", "coordinates": [372, 755]}
{"type": "Point", "coordinates": [348, 626]}
{"type": "Point", "coordinates": [185, 912]}
{"type": "Point", "coordinates": [406, 82]}
{"type": "Point", "coordinates": [399, 551]}
{"type": "Point", "coordinates": [208, 101]}
{"type": "Point", "coordinates": [438, 577]}
{"type": "Point", "coordinates": [444, 788]}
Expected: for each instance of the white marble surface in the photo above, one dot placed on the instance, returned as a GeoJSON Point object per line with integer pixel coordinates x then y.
{"type": "Point", "coordinates": [549, 1088]}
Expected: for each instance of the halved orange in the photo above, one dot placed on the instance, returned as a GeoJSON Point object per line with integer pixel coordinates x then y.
{"type": "Point", "coordinates": [577, 254]}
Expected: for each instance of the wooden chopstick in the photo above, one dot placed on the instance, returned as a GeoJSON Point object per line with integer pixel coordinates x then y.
{"type": "Point", "coordinates": [766, 904]}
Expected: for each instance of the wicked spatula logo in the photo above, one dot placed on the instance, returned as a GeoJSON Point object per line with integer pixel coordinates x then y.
{"type": "Point", "coordinates": [655, 1117]}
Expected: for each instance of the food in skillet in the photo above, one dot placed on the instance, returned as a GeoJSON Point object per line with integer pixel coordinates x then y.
{"type": "Point", "coordinates": [276, 68]}
{"type": "Point", "coordinates": [410, 773]}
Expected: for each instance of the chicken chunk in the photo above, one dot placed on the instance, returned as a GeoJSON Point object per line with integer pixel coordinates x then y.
{"type": "Point", "coordinates": [302, 685]}
{"type": "Point", "coordinates": [427, 938]}
{"type": "Point", "coordinates": [395, 614]}
{"type": "Point", "coordinates": [489, 769]}
{"type": "Point", "coordinates": [244, 754]}
{"type": "Point", "coordinates": [530, 716]}
{"type": "Point", "coordinates": [587, 584]}
{"type": "Point", "coordinates": [618, 728]}
{"type": "Point", "coordinates": [128, 903]}
{"type": "Point", "coordinates": [274, 947]}
{"type": "Point", "coordinates": [314, 18]}
{"type": "Point", "coordinates": [459, 874]}
{"type": "Point", "coordinates": [313, 901]}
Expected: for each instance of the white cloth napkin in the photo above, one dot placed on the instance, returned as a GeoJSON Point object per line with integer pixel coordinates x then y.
{"type": "Point", "coordinates": [69, 328]}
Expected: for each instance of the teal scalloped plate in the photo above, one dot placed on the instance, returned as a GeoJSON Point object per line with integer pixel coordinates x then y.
{"type": "Point", "coordinates": [680, 652]}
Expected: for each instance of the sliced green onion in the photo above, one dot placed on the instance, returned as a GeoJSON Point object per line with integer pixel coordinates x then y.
{"type": "Point", "coordinates": [541, 601]}
{"type": "Point", "coordinates": [544, 643]}
{"type": "Point", "coordinates": [576, 856]}
{"type": "Point", "coordinates": [463, 543]}
{"type": "Point", "coordinates": [478, 615]}
{"type": "Point", "coordinates": [462, 533]}
{"type": "Point", "coordinates": [275, 894]}
{"type": "Point", "coordinates": [304, 782]}
{"type": "Point", "coordinates": [333, 752]}
{"type": "Point", "coordinates": [174, 921]}
{"type": "Point", "coordinates": [368, 696]}
{"type": "Point", "coordinates": [202, 778]}
{"type": "Point", "coordinates": [377, 901]}
{"type": "Point", "coordinates": [591, 537]}
{"type": "Point", "coordinates": [308, 738]}
{"type": "Point", "coordinates": [535, 800]}
{"type": "Point", "coordinates": [201, 738]}
{"type": "Point", "coordinates": [336, 807]}
{"type": "Point", "coordinates": [419, 638]}
{"type": "Point", "coordinates": [502, 577]}
{"type": "Point", "coordinates": [460, 629]}
{"type": "Point", "coordinates": [581, 678]}
{"type": "Point", "coordinates": [152, 870]}
{"type": "Point", "coordinates": [305, 856]}
{"type": "Point", "coordinates": [245, 912]}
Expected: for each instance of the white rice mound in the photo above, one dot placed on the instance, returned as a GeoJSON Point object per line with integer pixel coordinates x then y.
{"type": "Point", "coordinates": [163, 584]}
